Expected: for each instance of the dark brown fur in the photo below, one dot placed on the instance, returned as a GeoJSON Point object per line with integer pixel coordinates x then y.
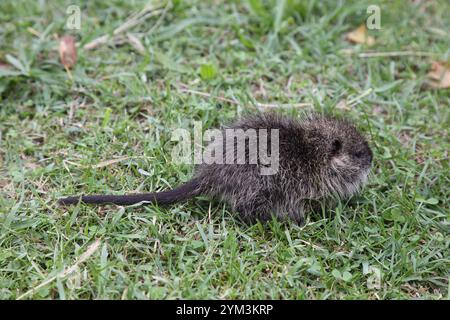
{"type": "Point", "coordinates": [320, 158]}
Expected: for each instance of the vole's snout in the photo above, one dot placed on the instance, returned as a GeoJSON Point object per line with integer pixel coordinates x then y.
{"type": "Point", "coordinates": [363, 155]}
{"type": "Point", "coordinates": [367, 156]}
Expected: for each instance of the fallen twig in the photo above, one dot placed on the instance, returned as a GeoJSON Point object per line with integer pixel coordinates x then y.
{"type": "Point", "coordinates": [205, 94]}
{"type": "Point", "coordinates": [283, 105]}
{"type": "Point", "coordinates": [395, 54]}
{"type": "Point", "coordinates": [134, 20]}
{"type": "Point", "coordinates": [258, 104]}
{"type": "Point", "coordinates": [109, 162]}
{"type": "Point", "coordinates": [89, 252]}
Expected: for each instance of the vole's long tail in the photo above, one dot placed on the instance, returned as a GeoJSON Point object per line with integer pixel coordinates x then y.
{"type": "Point", "coordinates": [186, 191]}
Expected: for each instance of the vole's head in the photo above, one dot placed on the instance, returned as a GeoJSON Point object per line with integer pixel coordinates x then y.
{"type": "Point", "coordinates": [343, 157]}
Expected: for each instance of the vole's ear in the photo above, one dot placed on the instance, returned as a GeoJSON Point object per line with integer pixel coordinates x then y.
{"type": "Point", "coordinates": [336, 146]}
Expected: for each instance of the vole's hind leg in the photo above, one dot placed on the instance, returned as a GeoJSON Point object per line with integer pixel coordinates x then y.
{"type": "Point", "coordinates": [261, 208]}
{"type": "Point", "coordinates": [258, 209]}
{"type": "Point", "coordinates": [294, 210]}
{"type": "Point", "coordinates": [318, 208]}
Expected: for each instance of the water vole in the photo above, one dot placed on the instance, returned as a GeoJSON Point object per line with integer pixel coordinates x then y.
{"type": "Point", "coordinates": [319, 159]}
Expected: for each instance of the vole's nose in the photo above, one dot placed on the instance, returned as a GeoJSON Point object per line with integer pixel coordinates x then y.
{"type": "Point", "coordinates": [364, 154]}
{"type": "Point", "coordinates": [369, 156]}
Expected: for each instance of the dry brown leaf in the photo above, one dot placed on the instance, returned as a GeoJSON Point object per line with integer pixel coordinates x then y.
{"type": "Point", "coordinates": [4, 65]}
{"type": "Point", "coordinates": [439, 75]}
{"type": "Point", "coordinates": [67, 51]}
{"type": "Point", "coordinates": [359, 35]}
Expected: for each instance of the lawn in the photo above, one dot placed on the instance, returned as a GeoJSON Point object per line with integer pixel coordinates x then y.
{"type": "Point", "coordinates": [105, 125]}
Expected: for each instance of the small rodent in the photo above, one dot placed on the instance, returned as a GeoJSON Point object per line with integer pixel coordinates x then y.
{"type": "Point", "coordinates": [320, 159]}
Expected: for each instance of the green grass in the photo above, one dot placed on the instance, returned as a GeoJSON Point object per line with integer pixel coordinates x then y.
{"type": "Point", "coordinates": [127, 104]}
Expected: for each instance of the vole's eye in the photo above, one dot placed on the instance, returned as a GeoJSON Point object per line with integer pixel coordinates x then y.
{"type": "Point", "coordinates": [336, 146]}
